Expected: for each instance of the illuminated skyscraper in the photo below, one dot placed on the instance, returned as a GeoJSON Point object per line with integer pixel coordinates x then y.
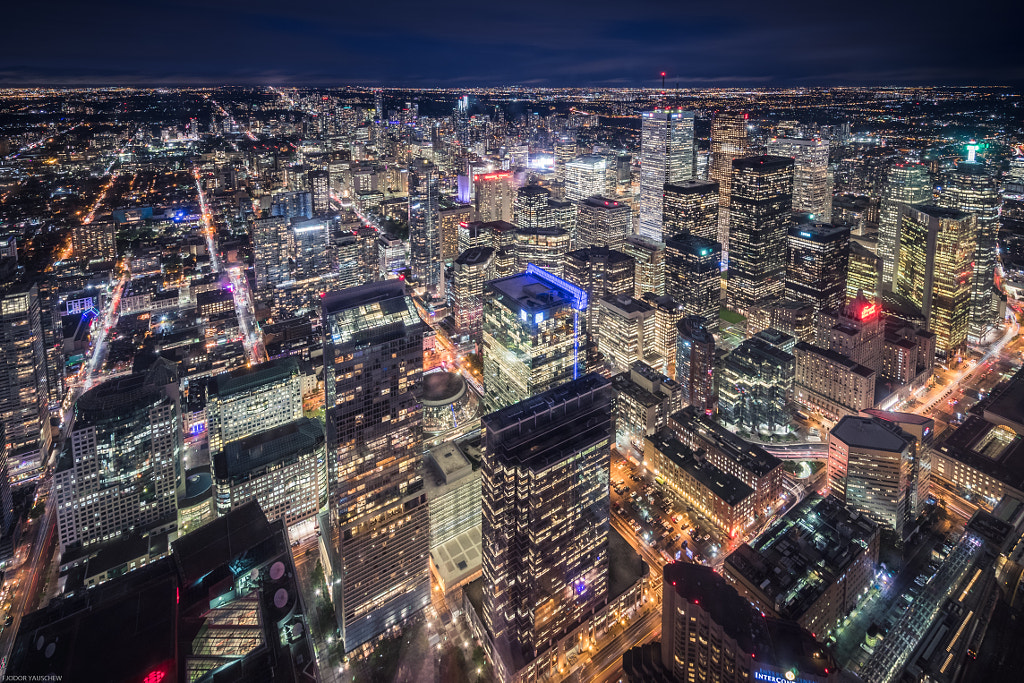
{"type": "Point", "coordinates": [535, 335]}
{"type": "Point", "coordinates": [600, 272]}
{"type": "Point", "coordinates": [451, 217]}
{"type": "Point", "coordinates": [472, 269]}
{"type": "Point", "coordinates": [626, 331]}
{"type": "Point", "coordinates": [530, 205]}
{"type": "Point", "coordinates": [545, 247]}
{"type": "Point", "coordinates": [907, 184]}
{"type": "Point", "coordinates": [650, 264]}
{"type": "Point", "coordinates": [120, 468]}
{"type": "Point", "coordinates": [693, 276]}
{"type": "Point", "coordinates": [871, 468]}
{"type": "Point", "coordinates": [585, 176]}
{"type": "Point", "coordinates": [934, 269]}
{"type": "Point", "coordinates": [493, 196]}
{"type": "Point", "coordinates": [545, 518]}
{"type": "Point", "coordinates": [973, 189]}
{"type": "Point", "coordinates": [271, 246]}
{"type": "Point", "coordinates": [759, 218]}
{"type": "Point", "coordinates": [564, 150]}
{"type": "Point", "coordinates": [691, 206]}
{"type": "Point", "coordinates": [320, 192]}
{"type": "Point", "coordinates": [695, 363]}
{"type": "Point", "coordinates": [817, 265]}
{"type": "Point", "coordinates": [728, 143]}
{"type": "Point", "coordinates": [666, 156]}
{"type": "Point", "coordinates": [379, 524]}
{"type": "Point", "coordinates": [425, 233]}
{"type": "Point", "coordinates": [812, 187]}
{"type": "Point", "coordinates": [756, 384]}
{"type": "Point", "coordinates": [865, 273]}
{"type": "Point", "coordinates": [602, 222]}
{"type": "Point", "coordinates": [24, 400]}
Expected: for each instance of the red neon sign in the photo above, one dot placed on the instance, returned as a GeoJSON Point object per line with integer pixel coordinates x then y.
{"type": "Point", "coordinates": [868, 312]}
{"type": "Point", "coordinates": [492, 176]}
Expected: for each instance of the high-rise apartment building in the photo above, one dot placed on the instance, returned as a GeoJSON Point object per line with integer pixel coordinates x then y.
{"type": "Point", "coordinates": [472, 268]}
{"type": "Point", "coordinates": [871, 469]}
{"type": "Point", "coordinates": [934, 269]}
{"type": "Point", "coordinates": [666, 156]}
{"type": "Point", "coordinates": [728, 143]}
{"type": "Point", "coordinates": [649, 271]}
{"type": "Point", "coordinates": [602, 222]}
{"type": "Point", "coordinates": [493, 196]}
{"type": "Point", "coordinates": [695, 363]}
{"type": "Point", "coordinates": [24, 400]}
{"type": "Point", "coordinates": [974, 189]}
{"type": "Point", "coordinates": [120, 468]}
{"type": "Point", "coordinates": [253, 399]}
{"type": "Point", "coordinates": [864, 273]}
{"type": "Point", "coordinates": [95, 241]}
{"type": "Point", "coordinates": [379, 525]}
{"type": "Point", "coordinates": [425, 232]}
{"type": "Point", "coordinates": [535, 335]}
{"type": "Point", "coordinates": [812, 187]}
{"type": "Point", "coordinates": [906, 184]}
{"type": "Point", "coordinates": [761, 197]}
{"type": "Point", "coordinates": [585, 176]}
{"type": "Point", "coordinates": [691, 206]}
{"type": "Point", "coordinates": [818, 257]}
{"type": "Point", "coordinates": [545, 518]}
{"type": "Point", "coordinates": [693, 276]}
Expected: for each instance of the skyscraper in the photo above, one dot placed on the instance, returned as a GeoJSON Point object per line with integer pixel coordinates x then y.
{"type": "Point", "coordinates": [728, 143]}
{"type": "Point", "coordinates": [817, 265]}
{"type": "Point", "coordinates": [545, 247]}
{"type": "Point", "coordinates": [493, 196]}
{"type": "Point", "coordinates": [602, 222]}
{"type": "Point", "coordinates": [600, 272]}
{"type": "Point", "coordinates": [973, 189]}
{"type": "Point", "coordinates": [756, 384]}
{"type": "Point", "coordinates": [871, 467]}
{"type": "Point", "coordinates": [425, 233]}
{"type": "Point", "coordinates": [450, 218]}
{"type": "Point", "coordinates": [472, 268]}
{"type": "Point", "coordinates": [379, 535]}
{"type": "Point", "coordinates": [693, 276]}
{"type": "Point", "coordinates": [120, 469]}
{"type": "Point", "coordinates": [24, 400]}
{"type": "Point", "coordinates": [906, 184]}
{"type": "Point", "coordinates": [626, 331]}
{"type": "Point", "coordinates": [534, 334]}
{"type": "Point", "coordinates": [530, 205]}
{"type": "Point", "coordinates": [812, 187]}
{"type": "Point", "coordinates": [935, 252]}
{"type": "Point", "coordinates": [666, 156]}
{"type": "Point", "coordinates": [759, 217]}
{"type": "Point", "coordinates": [585, 176]}
{"type": "Point", "coordinates": [320, 192]}
{"type": "Point", "coordinates": [545, 517]}
{"type": "Point", "coordinates": [864, 273]}
{"type": "Point", "coordinates": [695, 363]}
{"type": "Point", "coordinates": [564, 150]}
{"type": "Point", "coordinates": [650, 264]}
{"type": "Point", "coordinates": [691, 206]}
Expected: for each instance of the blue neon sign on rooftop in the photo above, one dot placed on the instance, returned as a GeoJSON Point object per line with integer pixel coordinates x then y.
{"type": "Point", "coordinates": [579, 296]}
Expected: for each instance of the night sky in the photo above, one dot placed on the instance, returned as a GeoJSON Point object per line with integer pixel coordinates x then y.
{"type": "Point", "coordinates": [530, 42]}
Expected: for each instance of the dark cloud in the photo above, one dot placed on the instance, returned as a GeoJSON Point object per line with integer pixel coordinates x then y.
{"type": "Point", "coordinates": [481, 42]}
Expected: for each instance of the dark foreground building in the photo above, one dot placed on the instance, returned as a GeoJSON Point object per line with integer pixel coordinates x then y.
{"type": "Point", "coordinates": [224, 607]}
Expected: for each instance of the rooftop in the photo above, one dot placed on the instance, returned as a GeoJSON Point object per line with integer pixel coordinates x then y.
{"type": "Point", "coordinates": [249, 378]}
{"type": "Point", "coordinates": [871, 432]}
{"type": "Point", "coordinates": [241, 459]}
{"type": "Point", "coordinates": [693, 186]}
